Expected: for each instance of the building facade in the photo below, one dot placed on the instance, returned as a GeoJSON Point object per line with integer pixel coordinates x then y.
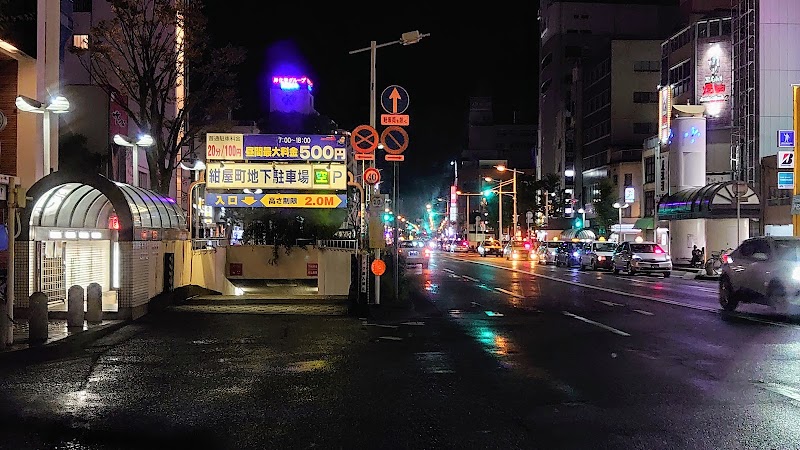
{"type": "Point", "coordinates": [572, 34]}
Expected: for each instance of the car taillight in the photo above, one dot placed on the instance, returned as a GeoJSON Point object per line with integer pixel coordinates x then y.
{"type": "Point", "coordinates": [427, 252]}
{"type": "Point", "coordinates": [659, 250]}
{"type": "Point", "coordinates": [601, 258]}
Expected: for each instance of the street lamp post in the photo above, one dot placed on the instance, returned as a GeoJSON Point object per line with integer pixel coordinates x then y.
{"type": "Point", "coordinates": [58, 105]}
{"type": "Point", "coordinates": [144, 140]}
{"type": "Point", "coordinates": [411, 37]}
{"type": "Point", "coordinates": [620, 207]}
{"type": "Point", "coordinates": [197, 166]}
{"type": "Point", "coordinates": [502, 168]}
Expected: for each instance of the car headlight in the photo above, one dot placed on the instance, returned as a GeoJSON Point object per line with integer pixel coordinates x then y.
{"type": "Point", "coordinates": [669, 258]}
{"type": "Point", "coordinates": [796, 273]}
{"type": "Point", "coordinates": [637, 257]}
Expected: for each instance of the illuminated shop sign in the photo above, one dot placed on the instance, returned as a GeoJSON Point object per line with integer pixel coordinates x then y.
{"type": "Point", "coordinates": [714, 77]}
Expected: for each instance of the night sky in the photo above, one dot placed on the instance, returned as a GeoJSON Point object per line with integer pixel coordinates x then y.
{"type": "Point", "coordinates": [469, 52]}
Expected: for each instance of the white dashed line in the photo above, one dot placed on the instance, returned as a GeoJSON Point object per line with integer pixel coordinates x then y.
{"type": "Point", "coordinates": [391, 338]}
{"type": "Point", "coordinates": [631, 294]}
{"type": "Point", "coordinates": [513, 294]}
{"type": "Point", "coordinates": [597, 324]}
{"type": "Point", "coordinates": [641, 311]}
{"type": "Point", "coordinates": [469, 278]}
{"type": "Point", "coordinates": [448, 270]}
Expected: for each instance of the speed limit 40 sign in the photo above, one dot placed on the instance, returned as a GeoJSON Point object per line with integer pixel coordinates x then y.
{"type": "Point", "coordinates": [785, 159]}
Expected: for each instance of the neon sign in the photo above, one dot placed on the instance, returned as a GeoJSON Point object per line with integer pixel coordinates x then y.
{"type": "Point", "coordinates": [664, 114]}
{"type": "Point", "coordinates": [113, 222]}
{"type": "Point", "coordinates": [292, 83]}
{"type": "Point", "coordinates": [714, 92]}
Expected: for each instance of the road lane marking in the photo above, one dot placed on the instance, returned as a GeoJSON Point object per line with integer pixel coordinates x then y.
{"type": "Point", "coordinates": [509, 292]}
{"type": "Point", "coordinates": [470, 278]}
{"type": "Point", "coordinates": [390, 338]}
{"type": "Point", "coordinates": [786, 391]}
{"type": "Point", "coordinates": [607, 303]}
{"type": "Point", "coordinates": [633, 295]}
{"type": "Point", "coordinates": [415, 324]}
{"type": "Point", "coordinates": [641, 311]}
{"type": "Point", "coordinates": [597, 324]}
{"type": "Point", "coordinates": [448, 270]}
{"type": "Point", "coordinates": [670, 285]}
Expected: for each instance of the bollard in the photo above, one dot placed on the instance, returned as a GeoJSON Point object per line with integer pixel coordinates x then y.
{"type": "Point", "coordinates": [37, 323]}
{"type": "Point", "coordinates": [75, 311]}
{"type": "Point", "coordinates": [94, 303]}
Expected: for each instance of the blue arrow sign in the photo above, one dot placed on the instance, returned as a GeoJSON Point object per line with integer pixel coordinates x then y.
{"type": "Point", "coordinates": [394, 99]}
{"type": "Point", "coordinates": [786, 138]}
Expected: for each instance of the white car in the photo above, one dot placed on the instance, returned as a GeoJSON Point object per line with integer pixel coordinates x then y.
{"type": "Point", "coordinates": [547, 252]}
{"type": "Point", "coordinates": [598, 255]}
{"type": "Point", "coordinates": [645, 257]}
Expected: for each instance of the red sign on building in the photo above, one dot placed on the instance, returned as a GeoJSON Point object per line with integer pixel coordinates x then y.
{"type": "Point", "coordinates": [117, 116]}
{"type": "Point", "coordinates": [312, 269]}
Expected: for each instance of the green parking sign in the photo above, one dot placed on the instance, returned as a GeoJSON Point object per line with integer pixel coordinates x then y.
{"type": "Point", "coordinates": [321, 176]}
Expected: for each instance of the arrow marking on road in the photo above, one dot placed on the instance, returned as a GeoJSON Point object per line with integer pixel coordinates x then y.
{"type": "Point", "coordinates": [597, 324]}
{"type": "Point", "coordinates": [640, 311]}
{"type": "Point", "coordinates": [513, 294]}
{"type": "Point", "coordinates": [607, 303]}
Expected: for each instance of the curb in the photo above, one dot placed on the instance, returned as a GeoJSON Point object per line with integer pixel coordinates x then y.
{"type": "Point", "coordinates": [61, 346]}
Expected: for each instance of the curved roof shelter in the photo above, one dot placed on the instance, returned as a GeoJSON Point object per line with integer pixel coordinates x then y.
{"type": "Point", "coordinates": [73, 200]}
{"type": "Point", "coordinates": [575, 233]}
{"type": "Point", "coordinates": [713, 201]}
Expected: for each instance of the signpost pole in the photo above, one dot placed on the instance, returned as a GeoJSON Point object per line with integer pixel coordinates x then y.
{"type": "Point", "coordinates": [396, 232]}
{"type": "Point", "coordinates": [373, 46]}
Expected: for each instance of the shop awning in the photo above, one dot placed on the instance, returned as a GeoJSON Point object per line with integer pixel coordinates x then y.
{"type": "Point", "coordinates": [578, 233]}
{"type": "Point", "coordinates": [714, 201]}
{"type": "Point", "coordinates": [70, 200]}
{"type": "Point", "coordinates": [645, 223]}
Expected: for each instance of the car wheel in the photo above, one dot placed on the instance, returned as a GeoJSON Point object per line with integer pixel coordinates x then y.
{"type": "Point", "coordinates": [727, 297]}
{"type": "Point", "coordinates": [616, 270]}
{"type": "Point", "coordinates": [630, 270]}
{"type": "Point", "coordinates": [667, 274]}
{"type": "Point", "coordinates": [583, 266]}
{"type": "Point", "coordinates": [594, 264]}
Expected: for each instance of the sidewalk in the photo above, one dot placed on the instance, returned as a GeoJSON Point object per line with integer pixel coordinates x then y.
{"type": "Point", "coordinates": [59, 338]}
{"type": "Point", "coordinates": [700, 273]}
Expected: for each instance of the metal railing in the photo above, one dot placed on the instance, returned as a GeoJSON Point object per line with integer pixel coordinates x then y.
{"type": "Point", "coordinates": [338, 244]}
{"type": "Point", "coordinates": [208, 243]}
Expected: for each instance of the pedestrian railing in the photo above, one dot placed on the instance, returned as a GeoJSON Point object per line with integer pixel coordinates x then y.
{"type": "Point", "coordinates": [338, 244]}
{"type": "Point", "coordinates": [208, 243]}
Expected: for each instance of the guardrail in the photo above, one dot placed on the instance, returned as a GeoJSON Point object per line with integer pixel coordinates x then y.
{"type": "Point", "coordinates": [338, 244]}
{"type": "Point", "coordinates": [208, 243]}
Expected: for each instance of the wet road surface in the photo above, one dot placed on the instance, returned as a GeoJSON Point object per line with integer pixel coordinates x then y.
{"type": "Point", "coordinates": [518, 356]}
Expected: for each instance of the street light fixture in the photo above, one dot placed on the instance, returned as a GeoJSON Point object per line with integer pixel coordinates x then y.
{"type": "Point", "coordinates": [620, 206]}
{"type": "Point", "coordinates": [58, 105]}
{"type": "Point", "coordinates": [144, 140]}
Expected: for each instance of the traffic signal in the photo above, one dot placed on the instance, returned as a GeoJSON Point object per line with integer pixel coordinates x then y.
{"type": "Point", "coordinates": [487, 193]}
{"type": "Point", "coordinates": [578, 223]}
{"type": "Point", "coordinates": [388, 217]}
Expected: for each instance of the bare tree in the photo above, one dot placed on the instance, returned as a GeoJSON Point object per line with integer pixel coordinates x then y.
{"type": "Point", "coordinates": [148, 50]}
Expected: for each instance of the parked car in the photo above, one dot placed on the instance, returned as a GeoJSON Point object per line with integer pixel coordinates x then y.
{"type": "Point", "coordinates": [569, 254]}
{"type": "Point", "coordinates": [762, 270]}
{"type": "Point", "coordinates": [490, 247]}
{"type": "Point", "coordinates": [413, 253]}
{"type": "Point", "coordinates": [646, 257]}
{"type": "Point", "coordinates": [546, 252]}
{"type": "Point", "coordinates": [598, 255]}
{"type": "Point", "coordinates": [517, 250]}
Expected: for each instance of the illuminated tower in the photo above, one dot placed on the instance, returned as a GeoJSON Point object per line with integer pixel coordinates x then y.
{"type": "Point", "coordinates": [291, 95]}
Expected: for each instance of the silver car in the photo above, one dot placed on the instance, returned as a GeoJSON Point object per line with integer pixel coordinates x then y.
{"type": "Point", "coordinates": [598, 255]}
{"type": "Point", "coordinates": [763, 270]}
{"type": "Point", "coordinates": [645, 257]}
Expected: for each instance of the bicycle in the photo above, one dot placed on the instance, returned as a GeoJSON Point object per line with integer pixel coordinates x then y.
{"type": "Point", "coordinates": [714, 263]}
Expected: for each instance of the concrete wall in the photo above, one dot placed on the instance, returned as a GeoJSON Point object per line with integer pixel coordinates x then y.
{"type": "Point", "coordinates": [205, 268]}
{"type": "Point", "coordinates": [713, 234]}
{"type": "Point", "coordinates": [334, 272]}
{"type": "Point", "coordinates": [255, 263]}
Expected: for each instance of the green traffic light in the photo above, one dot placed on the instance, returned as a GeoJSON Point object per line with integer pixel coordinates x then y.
{"type": "Point", "coordinates": [385, 217]}
{"type": "Point", "coordinates": [578, 223]}
{"type": "Point", "coordinates": [487, 193]}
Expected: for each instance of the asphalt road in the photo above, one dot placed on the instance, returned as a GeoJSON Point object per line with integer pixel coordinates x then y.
{"type": "Point", "coordinates": [519, 356]}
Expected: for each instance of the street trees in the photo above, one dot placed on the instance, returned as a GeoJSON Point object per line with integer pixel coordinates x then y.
{"type": "Point", "coordinates": [148, 51]}
{"type": "Point", "coordinates": [605, 213]}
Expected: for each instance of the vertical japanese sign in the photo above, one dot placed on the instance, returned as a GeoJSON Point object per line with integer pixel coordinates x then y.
{"type": "Point", "coordinates": [664, 114]}
{"type": "Point", "coordinates": [453, 203]}
{"type": "Point", "coordinates": [117, 116]}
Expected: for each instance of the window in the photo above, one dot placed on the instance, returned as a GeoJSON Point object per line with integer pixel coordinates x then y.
{"type": "Point", "coordinates": [644, 128]}
{"type": "Point", "coordinates": [645, 97]}
{"type": "Point", "coordinates": [649, 203]}
{"type": "Point", "coordinates": [628, 179]}
{"type": "Point", "coordinates": [650, 169]}
{"type": "Point", "coordinates": [82, 6]}
{"type": "Point", "coordinates": [726, 27]}
{"type": "Point", "coordinates": [646, 66]}
{"type": "Point", "coordinates": [144, 180]}
{"type": "Point", "coordinates": [80, 41]}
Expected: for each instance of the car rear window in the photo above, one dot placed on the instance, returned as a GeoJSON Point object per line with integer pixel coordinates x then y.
{"type": "Point", "coordinates": [646, 248]}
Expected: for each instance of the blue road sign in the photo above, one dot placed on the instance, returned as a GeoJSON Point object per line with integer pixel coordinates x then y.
{"type": "Point", "coordinates": [394, 99]}
{"type": "Point", "coordinates": [786, 138]}
{"type": "Point", "coordinates": [785, 180]}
